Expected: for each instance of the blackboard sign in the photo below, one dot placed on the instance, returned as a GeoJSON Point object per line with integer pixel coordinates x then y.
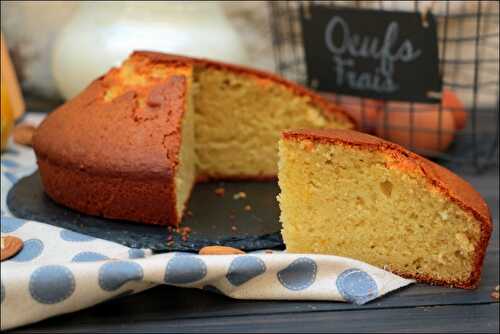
{"type": "Point", "coordinates": [386, 55]}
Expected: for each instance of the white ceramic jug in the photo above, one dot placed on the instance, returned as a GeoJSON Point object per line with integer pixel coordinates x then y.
{"type": "Point", "coordinates": [102, 34]}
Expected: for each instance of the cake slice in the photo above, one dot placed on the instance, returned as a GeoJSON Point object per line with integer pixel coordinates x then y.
{"type": "Point", "coordinates": [355, 195]}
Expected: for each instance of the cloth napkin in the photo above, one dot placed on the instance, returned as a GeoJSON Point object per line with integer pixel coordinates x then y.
{"type": "Point", "coordinates": [60, 271]}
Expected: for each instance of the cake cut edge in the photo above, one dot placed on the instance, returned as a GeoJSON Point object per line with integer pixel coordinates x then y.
{"type": "Point", "coordinates": [447, 183]}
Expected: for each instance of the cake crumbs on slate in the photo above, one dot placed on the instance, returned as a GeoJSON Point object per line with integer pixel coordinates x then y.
{"type": "Point", "coordinates": [239, 195]}
{"type": "Point", "coordinates": [219, 191]}
{"type": "Point", "coordinates": [183, 231]}
{"type": "Point", "coordinates": [495, 294]}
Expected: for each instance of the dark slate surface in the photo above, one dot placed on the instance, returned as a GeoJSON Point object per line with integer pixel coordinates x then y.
{"type": "Point", "coordinates": [418, 308]}
{"type": "Point", "coordinates": [214, 220]}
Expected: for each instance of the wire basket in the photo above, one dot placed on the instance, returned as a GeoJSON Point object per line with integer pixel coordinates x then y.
{"type": "Point", "coordinates": [468, 48]}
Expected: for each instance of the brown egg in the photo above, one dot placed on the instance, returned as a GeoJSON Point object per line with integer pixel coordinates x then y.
{"type": "Point", "coordinates": [452, 102]}
{"type": "Point", "coordinates": [433, 131]}
{"type": "Point", "coordinates": [363, 110]}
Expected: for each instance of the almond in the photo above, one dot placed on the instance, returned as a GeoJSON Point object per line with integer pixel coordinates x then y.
{"type": "Point", "coordinates": [219, 191]}
{"type": "Point", "coordinates": [220, 250]}
{"type": "Point", "coordinates": [23, 134]}
{"type": "Point", "coordinates": [10, 246]}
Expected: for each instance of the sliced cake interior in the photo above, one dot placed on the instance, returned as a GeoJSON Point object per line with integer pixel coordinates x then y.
{"type": "Point", "coordinates": [239, 114]}
{"type": "Point", "coordinates": [239, 117]}
{"type": "Point", "coordinates": [185, 175]}
{"type": "Point", "coordinates": [354, 195]}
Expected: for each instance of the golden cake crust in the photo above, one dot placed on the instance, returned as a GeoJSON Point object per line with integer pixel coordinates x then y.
{"type": "Point", "coordinates": [450, 185]}
{"type": "Point", "coordinates": [331, 109]}
{"type": "Point", "coordinates": [93, 154]}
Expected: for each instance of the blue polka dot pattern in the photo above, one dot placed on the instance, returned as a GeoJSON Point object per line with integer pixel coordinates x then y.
{"type": "Point", "coordinates": [2, 293]}
{"type": "Point", "coordinates": [113, 275]}
{"type": "Point", "coordinates": [11, 177]}
{"type": "Point", "coordinates": [71, 236]}
{"type": "Point", "coordinates": [9, 224]}
{"type": "Point", "coordinates": [51, 284]}
{"type": "Point", "coordinates": [244, 268]}
{"type": "Point", "coordinates": [212, 289]}
{"type": "Point", "coordinates": [32, 249]}
{"type": "Point", "coordinates": [10, 151]}
{"type": "Point", "coordinates": [299, 275]}
{"type": "Point", "coordinates": [185, 269]}
{"type": "Point", "coordinates": [357, 286]}
{"type": "Point", "coordinates": [9, 163]}
{"type": "Point", "coordinates": [183, 254]}
{"type": "Point", "coordinates": [134, 253]}
{"type": "Point", "coordinates": [89, 257]}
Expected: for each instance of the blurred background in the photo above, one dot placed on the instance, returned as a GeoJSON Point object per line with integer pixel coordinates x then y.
{"type": "Point", "coordinates": [58, 47]}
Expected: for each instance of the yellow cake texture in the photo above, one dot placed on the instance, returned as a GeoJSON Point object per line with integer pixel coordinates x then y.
{"type": "Point", "coordinates": [355, 195]}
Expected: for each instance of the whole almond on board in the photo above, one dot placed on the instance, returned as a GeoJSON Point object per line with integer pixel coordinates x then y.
{"type": "Point", "coordinates": [9, 247]}
{"type": "Point", "coordinates": [23, 134]}
{"type": "Point", "coordinates": [220, 250]}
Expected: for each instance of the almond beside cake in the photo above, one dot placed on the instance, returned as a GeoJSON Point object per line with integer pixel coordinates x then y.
{"type": "Point", "coordinates": [132, 144]}
{"type": "Point", "coordinates": [355, 195]}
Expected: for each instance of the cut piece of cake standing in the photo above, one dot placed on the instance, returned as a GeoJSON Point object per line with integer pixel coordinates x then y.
{"type": "Point", "coordinates": [355, 195]}
{"type": "Point", "coordinates": [132, 144]}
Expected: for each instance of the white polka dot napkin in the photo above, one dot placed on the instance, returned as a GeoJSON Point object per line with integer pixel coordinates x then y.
{"type": "Point", "coordinates": [60, 271]}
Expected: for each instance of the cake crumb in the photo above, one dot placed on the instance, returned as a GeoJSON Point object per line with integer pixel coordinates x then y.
{"type": "Point", "coordinates": [495, 295]}
{"type": "Point", "coordinates": [247, 208]}
{"type": "Point", "coordinates": [184, 232]}
{"type": "Point", "coordinates": [189, 213]}
{"type": "Point", "coordinates": [170, 237]}
{"type": "Point", "coordinates": [234, 228]}
{"type": "Point", "coordinates": [219, 191]}
{"type": "Point", "coordinates": [170, 243]}
{"type": "Point", "coordinates": [239, 195]}
{"type": "Point", "coordinates": [232, 217]}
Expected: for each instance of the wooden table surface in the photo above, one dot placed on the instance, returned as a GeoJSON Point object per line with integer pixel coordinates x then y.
{"type": "Point", "coordinates": [418, 308]}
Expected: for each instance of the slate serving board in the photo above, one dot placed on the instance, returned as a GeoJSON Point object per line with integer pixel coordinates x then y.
{"type": "Point", "coordinates": [214, 220]}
